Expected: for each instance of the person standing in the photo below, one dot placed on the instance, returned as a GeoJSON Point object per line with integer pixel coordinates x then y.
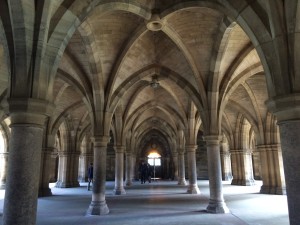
{"type": "Point", "coordinates": [90, 175]}
{"type": "Point", "coordinates": [144, 172]}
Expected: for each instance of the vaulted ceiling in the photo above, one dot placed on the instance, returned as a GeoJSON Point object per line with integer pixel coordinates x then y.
{"type": "Point", "coordinates": [185, 48]}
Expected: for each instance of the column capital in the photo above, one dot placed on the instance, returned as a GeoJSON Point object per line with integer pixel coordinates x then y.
{"type": "Point", "coordinates": [119, 148]}
{"type": "Point", "coordinates": [180, 150]}
{"type": "Point", "coordinates": [50, 151]}
{"type": "Point", "coordinates": [228, 154]}
{"type": "Point", "coordinates": [213, 139]}
{"type": "Point", "coordinates": [286, 108]}
{"type": "Point", "coordinates": [191, 148]}
{"type": "Point", "coordinates": [269, 147]}
{"type": "Point", "coordinates": [100, 141]}
{"type": "Point", "coordinates": [28, 111]}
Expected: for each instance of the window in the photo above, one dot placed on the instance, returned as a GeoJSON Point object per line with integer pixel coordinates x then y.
{"type": "Point", "coordinates": [154, 159]}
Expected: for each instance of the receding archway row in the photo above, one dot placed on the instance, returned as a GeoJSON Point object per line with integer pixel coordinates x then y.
{"type": "Point", "coordinates": [259, 33]}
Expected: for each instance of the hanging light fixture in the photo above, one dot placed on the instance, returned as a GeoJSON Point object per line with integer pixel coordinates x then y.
{"type": "Point", "coordinates": [154, 83]}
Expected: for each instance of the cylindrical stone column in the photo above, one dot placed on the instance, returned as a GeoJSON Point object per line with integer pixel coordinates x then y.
{"type": "Point", "coordinates": [25, 146]}
{"type": "Point", "coordinates": [216, 200]}
{"type": "Point", "coordinates": [3, 170]}
{"type": "Point", "coordinates": [290, 142]}
{"type": "Point", "coordinates": [192, 169]}
{"type": "Point", "coordinates": [128, 169]}
{"type": "Point", "coordinates": [44, 189]}
{"type": "Point", "coordinates": [181, 168]}
{"type": "Point", "coordinates": [119, 171]}
{"type": "Point", "coordinates": [98, 205]}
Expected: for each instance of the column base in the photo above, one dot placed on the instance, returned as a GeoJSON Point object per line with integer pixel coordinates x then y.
{"type": "Point", "coordinates": [182, 182]}
{"type": "Point", "coordinates": [97, 208]}
{"type": "Point", "coordinates": [227, 177]}
{"type": "Point", "coordinates": [82, 180]}
{"type": "Point", "coordinates": [44, 192]}
{"type": "Point", "coordinates": [243, 182]}
{"type": "Point", "coordinates": [217, 207]}
{"type": "Point", "coordinates": [273, 190]}
{"type": "Point", "coordinates": [128, 183]}
{"type": "Point", "coordinates": [193, 189]}
{"type": "Point", "coordinates": [119, 191]}
{"type": "Point", "coordinates": [61, 184]}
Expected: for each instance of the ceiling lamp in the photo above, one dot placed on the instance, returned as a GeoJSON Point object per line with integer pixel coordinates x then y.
{"type": "Point", "coordinates": [155, 23]}
{"type": "Point", "coordinates": [154, 83]}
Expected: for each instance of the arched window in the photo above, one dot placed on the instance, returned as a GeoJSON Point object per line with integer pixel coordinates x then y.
{"type": "Point", "coordinates": [154, 159]}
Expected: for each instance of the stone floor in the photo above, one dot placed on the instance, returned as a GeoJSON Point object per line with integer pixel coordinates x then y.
{"type": "Point", "coordinates": [162, 202]}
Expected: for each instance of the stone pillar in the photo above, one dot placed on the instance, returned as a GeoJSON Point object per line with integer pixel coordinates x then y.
{"type": "Point", "coordinates": [74, 169]}
{"type": "Point", "coordinates": [181, 168]}
{"type": "Point", "coordinates": [63, 178]}
{"type": "Point", "coordinates": [46, 162]}
{"type": "Point", "coordinates": [128, 181]}
{"type": "Point", "coordinates": [132, 169]}
{"type": "Point", "coordinates": [98, 204]}
{"type": "Point", "coordinates": [175, 163]}
{"type": "Point", "coordinates": [272, 169]}
{"type": "Point", "coordinates": [192, 169]}
{"type": "Point", "coordinates": [225, 162]}
{"type": "Point", "coordinates": [119, 171]}
{"type": "Point", "coordinates": [167, 168]}
{"type": "Point", "coordinates": [3, 169]}
{"type": "Point", "coordinates": [242, 167]}
{"type": "Point", "coordinates": [290, 142]}
{"type": "Point", "coordinates": [53, 170]}
{"type": "Point", "coordinates": [25, 147]}
{"type": "Point", "coordinates": [82, 168]}
{"type": "Point", "coordinates": [216, 200]}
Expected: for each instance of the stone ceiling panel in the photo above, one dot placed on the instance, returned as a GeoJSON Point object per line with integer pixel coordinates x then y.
{"type": "Point", "coordinates": [237, 40]}
{"type": "Point", "coordinates": [111, 32]}
{"type": "Point", "coordinates": [197, 28]}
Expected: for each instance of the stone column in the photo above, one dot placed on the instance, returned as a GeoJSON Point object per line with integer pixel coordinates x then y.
{"type": "Point", "coordinates": [181, 168]}
{"type": "Point", "coordinates": [63, 178]}
{"type": "Point", "coordinates": [128, 171]}
{"type": "Point", "coordinates": [46, 163]}
{"type": "Point", "coordinates": [98, 204]}
{"type": "Point", "coordinates": [74, 169]}
{"type": "Point", "coordinates": [25, 147]}
{"type": "Point", "coordinates": [226, 162]}
{"type": "Point", "coordinates": [119, 171]}
{"type": "Point", "coordinates": [167, 168]}
{"type": "Point", "coordinates": [242, 167]}
{"type": "Point", "coordinates": [272, 169]}
{"type": "Point", "coordinates": [290, 142]}
{"type": "Point", "coordinates": [53, 170]}
{"type": "Point", "coordinates": [175, 163]}
{"type": "Point", "coordinates": [216, 200]}
{"type": "Point", "coordinates": [3, 169]}
{"type": "Point", "coordinates": [192, 169]}
{"type": "Point", "coordinates": [133, 161]}
{"type": "Point", "coordinates": [85, 160]}
{"type": "Point", "coordinates": [82, 168]}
